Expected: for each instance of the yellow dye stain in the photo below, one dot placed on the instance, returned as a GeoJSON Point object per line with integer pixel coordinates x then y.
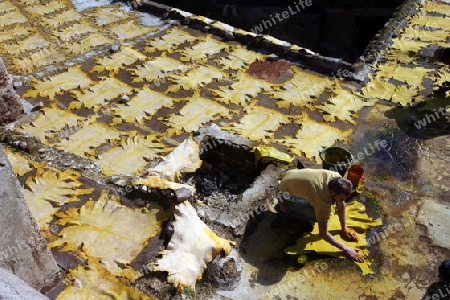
{"type": "Point", "coordinates": [343, 105]}
{"type": "Point", "coordinates": [247, 55]}
{"type": "Point", "coordinates": [300, 90]}
{"type": "Point", "coordinates": [107, 15]}
{"type": "Point", "coordinates": [94, 282]}
{"type": "Point", "coordinates": [88, 138]}
{"type": "Point", "coordinates": [130, 29]}
{"type": "Point", "coordinates": [87, 44]}
{"type": "Point", "coordinates": [443, 75]}
{"type": "Point", "coordinates": [158, 67]}
{"type": "Point", "coordinates": [49, 189]}
{"type": "Point", "coordinates": [303, 81]}
{"type": "Point", "coordinates": [43, 57]}
{"type": "Point", "coordinates": [205, 48]}
{"type": "Point", "coordinates": [105, 229]}
{"type": "Point", "coordinates": [11, 34]}
{"type": "Point", "coordinates": [125, 57]}
{"type": "Point", "coordinates": [241, 90]}
{"type": "Point", "coordinates": [378, 88]}
{"type": "Point", "coordinates": [313, 136]}
{"type": "Point", "coordinates": [44, 9]}
{"type": "Point", "coordinates": [194, 114]}
{"type": "Point", "coordinates": [64, 17]}
{"type": "Point", "coordinates": [28, 1]}
{"type": "Point", "coordinates": [20, 165]}
{"type": "Point", "coordinates": [69, 32]}
{"type": "Point", "coordinates": [6, 6]}
{"type": "Point", "coordinates": [99, 94]}
{"type": "Point", "coordinates": [238, 58]}
{"type": "Point", "coordinates": [50, 122]}
{"type": "Point", "coordinates": [408, 46]}
{"type": "Point", "coordinates": [289, 94]}
{"type": "Point", "coordinates": [171, 39]}
{"type": "Point", "coordinates": [201, 247]}
{"type": "Point", "coordinates": [31, 43]}
{"type": "Point", "coordinates": [357, 219]}
{"type": "Point", "coordinates": [195, 78]}
{"type": "Point", "coordinates": [431, 21]}
{"type": "Point", "coordinates": [412, 76]}
{"type": "Point", "coordinates": [141, 107]}
{"type": "Point", "coordinates": [260, 123]}
{"type": "Point", "coordinates": [13, 17]}
{"type": "Point", "coordinates": [436, 7]}
{"type": "Point", "coordinates": [401, 56]}
{"type": "Point", "coordinates": [231, 62]}
{"type": "Point", "coordinates": [71, 79]}
{"type": "Point", "coordinates": [435, 36]}
{"type": "Point", "coordinates": [132, 155]}
{"type": "Point", "coordinates": [381, 89]}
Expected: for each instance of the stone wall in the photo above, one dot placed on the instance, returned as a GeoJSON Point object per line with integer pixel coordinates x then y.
{"type": "Point", "coordinates": [12, 287]}
{"type": "Point", "coordinates": [23, 251]}
{"type": "Point", "coordinates": [331, 28]}
{"type": "Point", "coordinates": [11, 107]}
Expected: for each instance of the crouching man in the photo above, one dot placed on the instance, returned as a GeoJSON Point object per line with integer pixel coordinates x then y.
{"type": "Point", "coordinates": [308, 194]}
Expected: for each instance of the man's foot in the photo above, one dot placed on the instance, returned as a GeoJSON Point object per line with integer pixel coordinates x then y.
{"type": "Point", "coordinates": [285, 217]}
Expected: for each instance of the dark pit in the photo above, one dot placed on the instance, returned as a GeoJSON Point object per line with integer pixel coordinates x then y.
{"type": "Point", "coordinates": [340, 29]}
{"type": "Point", "coordinates": [227, 168]}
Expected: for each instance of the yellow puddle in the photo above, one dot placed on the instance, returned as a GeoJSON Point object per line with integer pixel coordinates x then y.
{"type": "Point", "coordinates": [357, 220]}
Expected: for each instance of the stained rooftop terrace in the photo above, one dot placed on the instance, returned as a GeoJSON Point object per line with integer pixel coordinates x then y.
{"type": "Point", "coordinates": [115, 89]}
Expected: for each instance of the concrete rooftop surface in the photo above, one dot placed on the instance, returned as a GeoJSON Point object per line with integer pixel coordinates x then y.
{"type": "Point", "coordinates": [111, 88]}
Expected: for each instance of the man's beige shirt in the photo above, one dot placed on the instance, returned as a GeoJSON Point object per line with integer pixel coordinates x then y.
{"type": "Point", "coordinates": [312, 185]}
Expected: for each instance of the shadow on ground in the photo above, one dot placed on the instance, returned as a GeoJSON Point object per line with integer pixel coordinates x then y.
{"type": "Point", "coordinates": [425, 120]}
{"type": "Point", "coordinates": [263, 245]}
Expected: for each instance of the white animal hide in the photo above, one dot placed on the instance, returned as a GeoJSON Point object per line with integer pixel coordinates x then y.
{"type": "Point", "coordinates": [191, 247]}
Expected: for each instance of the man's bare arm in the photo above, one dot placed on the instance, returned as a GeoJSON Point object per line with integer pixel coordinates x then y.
{"type": "Point", "coordinates": [347, 233]}
{"type": "Point", "coordinates": [323, 233]}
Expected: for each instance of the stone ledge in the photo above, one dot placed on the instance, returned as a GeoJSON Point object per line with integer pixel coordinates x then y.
{"type": "Point", "coordinates": [284, 50]}
{"type": "Point", "coordinates": [12, 287]}
{"type": "Point", "coordinates": [22, 249]}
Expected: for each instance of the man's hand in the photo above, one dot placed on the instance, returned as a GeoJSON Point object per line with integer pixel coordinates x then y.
{"type": "Point", "coordinates": [354, 255]}
{"type": "Point", "coordinates": [350, 235]}
{"type": "Point", "coordinates": [323, 233]}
